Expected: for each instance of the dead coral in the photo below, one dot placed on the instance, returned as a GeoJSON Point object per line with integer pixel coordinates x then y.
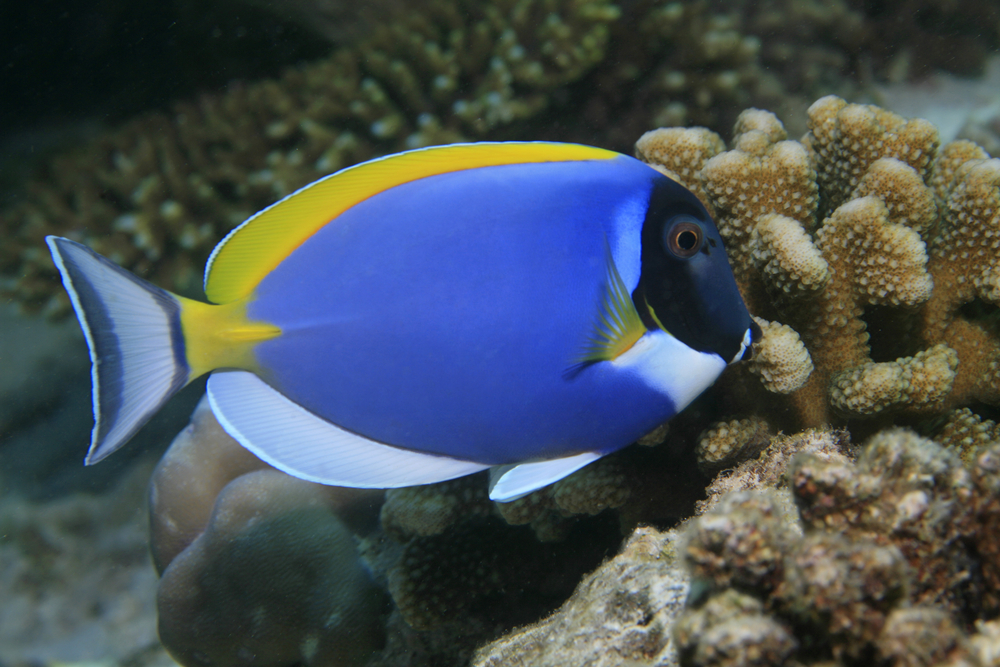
{"type": "Point", "coordinates": [767, 469]}
{"type": "Point", "coordinates": [732, 629]}
{"type": "Point", "coordinates": [740, 542]}
{"type": "Point", "coordinates": [914, 494]}
{"type": "Point", "coordinates": [922, 636]}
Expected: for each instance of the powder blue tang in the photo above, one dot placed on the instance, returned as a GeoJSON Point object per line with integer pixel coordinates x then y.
{"type": "Point", "coordinates": [521, 307]}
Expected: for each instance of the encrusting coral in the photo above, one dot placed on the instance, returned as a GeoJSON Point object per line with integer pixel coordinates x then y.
{"type": "Point", "coordinates": [885, 559]}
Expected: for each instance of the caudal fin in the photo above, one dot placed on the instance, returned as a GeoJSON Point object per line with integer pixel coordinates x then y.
{"type": "Point", "coordinates": [133, 331]}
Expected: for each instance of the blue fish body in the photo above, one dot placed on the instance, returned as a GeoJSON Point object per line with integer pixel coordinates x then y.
{"type": "Point", "coordinates": [500, 315]}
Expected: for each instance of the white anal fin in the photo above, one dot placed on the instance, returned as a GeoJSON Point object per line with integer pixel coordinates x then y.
{"type": "Point", "coordinates": [134, 336]}
{"type": "Point", "coordinates": [511, 482]}
{"type": "Point", "coordinates": [296, 441]}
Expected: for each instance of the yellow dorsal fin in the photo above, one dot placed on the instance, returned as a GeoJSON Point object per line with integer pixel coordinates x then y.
{"type": "Point", "coordinates": [256, 247]}
{"type": "Point", "coordinates": [617, 325]}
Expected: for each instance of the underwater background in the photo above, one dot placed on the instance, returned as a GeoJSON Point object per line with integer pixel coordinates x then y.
{"type": "Point", "coordinates": [866, 241]}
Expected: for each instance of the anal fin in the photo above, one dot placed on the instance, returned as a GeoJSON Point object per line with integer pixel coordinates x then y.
{"type": "Point", "coordinates": [298, 442]}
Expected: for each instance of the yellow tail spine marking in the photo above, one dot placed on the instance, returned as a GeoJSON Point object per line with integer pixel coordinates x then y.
{"type": "Point", "coordinates": [221, 336]}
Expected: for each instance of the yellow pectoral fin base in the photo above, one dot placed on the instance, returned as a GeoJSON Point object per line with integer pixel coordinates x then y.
{"type": "Point", "coordinates": [617, 326]}
{"type": "Point", "coordinates": [221, 336]}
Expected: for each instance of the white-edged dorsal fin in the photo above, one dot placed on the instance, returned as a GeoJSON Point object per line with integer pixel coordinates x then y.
{"type": "Point", "coordinates": [294, 440]}
{"type": "Point", "coordinates": [511, 482]}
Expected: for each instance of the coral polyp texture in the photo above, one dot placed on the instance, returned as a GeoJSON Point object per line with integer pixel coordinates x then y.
{"type": "Point", "coordinates": [886, 560]}
{"type": "Point", "coordinates": [875, 245]}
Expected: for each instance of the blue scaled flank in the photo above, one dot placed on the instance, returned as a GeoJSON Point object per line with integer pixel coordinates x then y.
{"type": "Point", "coordinates": [447, 315]}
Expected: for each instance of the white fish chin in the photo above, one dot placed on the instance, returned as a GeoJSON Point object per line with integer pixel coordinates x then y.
{"type": "Point", "coordinates": [671, 367]}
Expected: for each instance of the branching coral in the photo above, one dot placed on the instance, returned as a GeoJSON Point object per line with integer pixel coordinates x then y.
{"type": "Point", "coordinates": [863, 229]}
{"type": "Point", "coordinates": [727, 443]}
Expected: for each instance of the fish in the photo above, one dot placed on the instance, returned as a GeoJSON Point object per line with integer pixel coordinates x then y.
{"type": "Point", "coordinates": [521, 307]}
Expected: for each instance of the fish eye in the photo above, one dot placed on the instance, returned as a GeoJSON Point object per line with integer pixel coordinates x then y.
{"type": "Point", "coordinates": [683, 236]}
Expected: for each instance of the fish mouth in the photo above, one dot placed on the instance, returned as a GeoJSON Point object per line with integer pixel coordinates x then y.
{"type": "Point", "coordinates": [751, 336]}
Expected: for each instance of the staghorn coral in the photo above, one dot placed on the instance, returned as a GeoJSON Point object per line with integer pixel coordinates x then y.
{"type": "Point", "coordinates": [157, 194]}
{"type": "Point", "coordinates": [482, 574]}
{"type": "Point", "coordinates": [894, 40]}
{"type": "Point", "coordinates": [965, 432]}
{"type": "Point", "coordinates": [881, 572]}
{"type": "Point", "coordinates": [920, 382]}
{"type": "Point", "coordinates": [862, 229]}
{"type": "Point", "coordinates": [433, 508]}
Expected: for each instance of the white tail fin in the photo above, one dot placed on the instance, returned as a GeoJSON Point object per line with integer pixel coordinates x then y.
{"type": "Point", "coordinates": [133, 331]}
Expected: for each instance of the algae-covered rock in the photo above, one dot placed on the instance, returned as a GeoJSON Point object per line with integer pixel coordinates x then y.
{"type": "Point", "coordinates": [620, 614]}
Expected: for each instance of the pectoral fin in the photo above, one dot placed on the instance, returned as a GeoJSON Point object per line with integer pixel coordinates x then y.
{"type": "Point", "coordinates": [617, 325]}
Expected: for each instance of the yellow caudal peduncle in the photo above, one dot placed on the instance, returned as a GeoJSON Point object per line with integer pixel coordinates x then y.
{"type": "Point", "coordinates": [221, 336]}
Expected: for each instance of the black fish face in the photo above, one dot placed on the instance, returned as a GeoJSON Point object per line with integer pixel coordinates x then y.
{"type": "Point", "coordinates": [686, 285]}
